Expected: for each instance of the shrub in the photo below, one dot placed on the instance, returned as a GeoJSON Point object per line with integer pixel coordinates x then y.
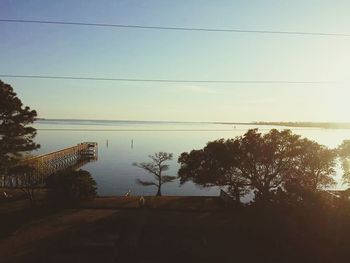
{"type": "Point", "coordinates": [69, 187]}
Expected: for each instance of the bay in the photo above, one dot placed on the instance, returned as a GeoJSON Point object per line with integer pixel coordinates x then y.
{"type": "Point", "coordinates": [121, 143]}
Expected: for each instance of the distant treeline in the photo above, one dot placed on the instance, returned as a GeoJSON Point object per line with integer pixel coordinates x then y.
{"type": "Point", "coordinates": [326, 125]}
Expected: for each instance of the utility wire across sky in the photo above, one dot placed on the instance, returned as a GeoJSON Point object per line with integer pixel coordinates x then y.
{"type": "Point", "coordinates": [164, 80]}
{"type": "Point", "coordinates": [222, 30]}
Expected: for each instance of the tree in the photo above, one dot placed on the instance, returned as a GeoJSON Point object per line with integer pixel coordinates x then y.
{"type": "Point", "coordinates": [214, 165]}
{"type": "Point", "coordinates": [16, 137]}
{"type": "Point", "coordinates": [257, 161]}
{"type": "Point", "coordinates": [27, 180]}
{"type": "Point", "coordinates": [314, 166]}
{"type": "Point", "coordinates": [313, 171]}
{"type": "Point", "coordinates": [344, 154]}
{"type": "Point", "coordinates": [157, 167]}
{"type": "Point", "coordinates": [70, 187]}
{"type": "Point", "coordinates": [265, 160]}
{"type": "Point", "coordinates": [261, 163]}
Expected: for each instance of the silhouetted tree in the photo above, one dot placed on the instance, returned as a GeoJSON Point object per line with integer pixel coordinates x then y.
{"type": "Point", "coordinates": [70, 187]}
{"type": "Point", "coordinates": [255, 160]}
{"type": "Point", "coordinates": [344, 154]}
{"type": "Point", "coordinates": [157, 167]}
{"type": "Point", "coordinates": [313, 169]}
{"type": "Point", "coordinates": [262, 163]}
{"type": "Point", "coordinates": [266, 160]}
{"type": "Point", "coordinates": [16, 137]}
{"type": "Point", "coordinates": [214, 165]}
{"type": "Point", "coordinates": [27, 180]}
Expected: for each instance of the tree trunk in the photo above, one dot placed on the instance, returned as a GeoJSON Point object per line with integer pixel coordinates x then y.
{"type": "Point", "coordinates": [237, 196]}
{"type": "Point", "coordinates": [159, 185]}
{"type": "Point", "coordinates": [265, 196]}
{"type": "Point", "coordinates": [159, 192]}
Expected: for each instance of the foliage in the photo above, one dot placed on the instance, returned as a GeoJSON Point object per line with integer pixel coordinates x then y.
{"type": "Point", "coordinates": [25, 178]}
{"type": "Point", "coordinates": [157, 167]}
{"type": "Point", "coordinates": [266, 164]}
{"type": "Point", "coordinates": [214, 165]}
{"type": "Point", "coordinates": [344, 154]}
{"type": "Point", "coordinates": [70, 187]}
{"type": "Point", "coordinates": [314, 169]}
{"type": "Point", "coordinates": [16, 137]}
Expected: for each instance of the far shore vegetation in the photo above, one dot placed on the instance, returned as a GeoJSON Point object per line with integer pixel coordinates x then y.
{"type": "Point", "coordinates": [324, 125]}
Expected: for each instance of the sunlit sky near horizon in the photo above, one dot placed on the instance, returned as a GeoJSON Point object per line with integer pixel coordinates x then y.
{"type": "Point", "coordinates": [31, 49]}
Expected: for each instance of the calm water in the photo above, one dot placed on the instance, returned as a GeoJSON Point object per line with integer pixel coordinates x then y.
{"type": "Point", "coordinates": [114, 172]}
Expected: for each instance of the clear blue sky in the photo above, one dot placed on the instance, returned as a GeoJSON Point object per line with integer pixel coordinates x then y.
{"type": "Point", "coordinates": [134, 53]}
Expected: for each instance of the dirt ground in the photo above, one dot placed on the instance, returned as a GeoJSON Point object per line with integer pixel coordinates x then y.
{"type": "Point", "coordinates": [108, 235]}
{"type": "Point", "coordinates": [174, 230]}
{"type": "Point", "coordinates": [101, 227]}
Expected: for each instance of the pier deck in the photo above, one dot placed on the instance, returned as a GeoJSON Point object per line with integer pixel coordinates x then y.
{"type": "Point", "coordinates": [46, 164]}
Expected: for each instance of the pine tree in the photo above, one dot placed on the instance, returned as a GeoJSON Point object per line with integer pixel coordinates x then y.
{"type": "Point", "coordinates": [16, 137]}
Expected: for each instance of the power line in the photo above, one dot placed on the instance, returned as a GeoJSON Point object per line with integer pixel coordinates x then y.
{"type": "Point", "coordinates": [164, 80]}
{"type": "Point", "coordinates": [223, 30]}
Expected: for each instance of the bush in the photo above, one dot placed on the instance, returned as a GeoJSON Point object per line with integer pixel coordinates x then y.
{"type": "Point", "coordinates": [69, 187]}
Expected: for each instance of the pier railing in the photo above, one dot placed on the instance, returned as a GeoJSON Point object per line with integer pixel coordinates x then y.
{"type": "Point", "coordinates": [44, 165]}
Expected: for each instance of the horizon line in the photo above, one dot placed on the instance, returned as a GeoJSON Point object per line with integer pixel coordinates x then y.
{"type": "Point", "coordinates": [179, 121]}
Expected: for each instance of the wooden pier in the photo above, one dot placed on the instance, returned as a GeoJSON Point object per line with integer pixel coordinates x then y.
{"type": "Point", "coordinates": [47, 164]}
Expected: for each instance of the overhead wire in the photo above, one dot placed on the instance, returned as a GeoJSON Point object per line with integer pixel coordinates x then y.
{"type": "Point", "coordinates": [198, 29]}
{"type": "Point", "coordinates": [163, 80]}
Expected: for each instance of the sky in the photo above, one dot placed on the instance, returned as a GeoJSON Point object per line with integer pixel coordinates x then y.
{"type": "Point", "coordinates": [32, 49]}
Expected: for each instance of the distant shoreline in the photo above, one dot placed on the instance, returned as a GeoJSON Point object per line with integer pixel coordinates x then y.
{"type": "Point", "coordinates": [324, 125]}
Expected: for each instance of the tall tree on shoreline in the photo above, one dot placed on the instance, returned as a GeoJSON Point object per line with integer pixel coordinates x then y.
{"type": "Point", "coordinates": [263, 163]}
{"type": "Point", "coordinates": [157, 167]}
{"type": "Point", "coordinates": [344, 154]}
{"type": "Point", "coordinates": [16, 137]}
{"type": "Point", "coordinates": [314, 166]}
{"type": "Point", "coordinates": [214, 165]}
{"type": "Point", "coordinates": [255, 161]}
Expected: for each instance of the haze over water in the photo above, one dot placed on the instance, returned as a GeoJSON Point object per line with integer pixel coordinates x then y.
{"type": "Point", "coordinates": [121, 143]}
